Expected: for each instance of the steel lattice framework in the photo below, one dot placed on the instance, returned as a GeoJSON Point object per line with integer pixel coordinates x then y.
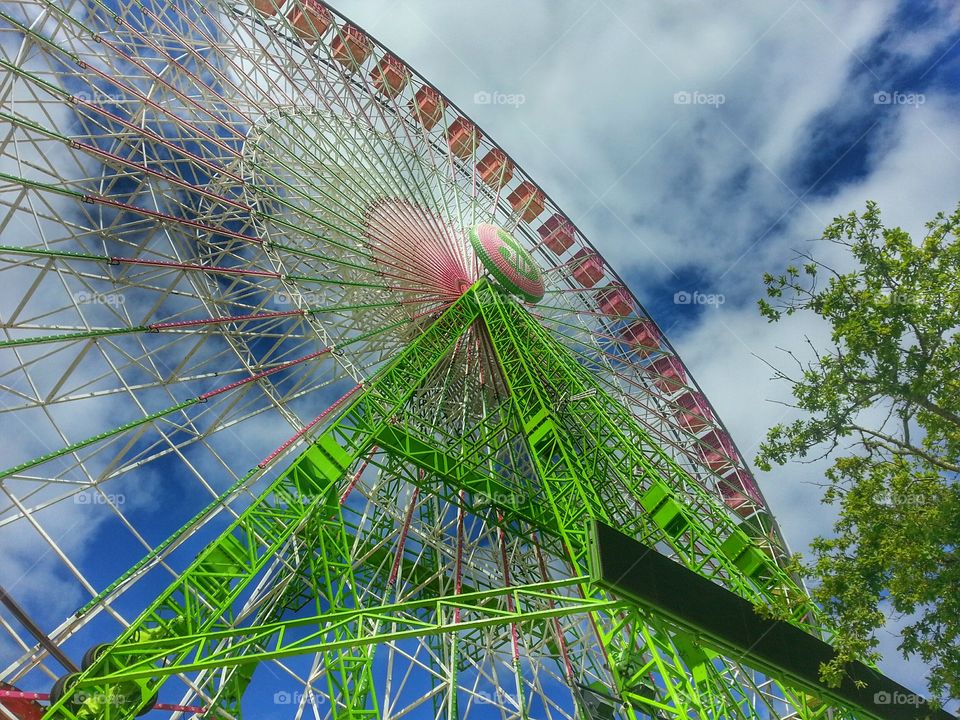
{"type": "Point", "coordinates": [235, 235]}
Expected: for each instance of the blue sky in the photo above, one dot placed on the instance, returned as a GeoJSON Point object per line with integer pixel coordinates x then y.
{"type": "Point", "coordinates": [697, 147]}
{"type": "Point", "coordinates": [699, 144]}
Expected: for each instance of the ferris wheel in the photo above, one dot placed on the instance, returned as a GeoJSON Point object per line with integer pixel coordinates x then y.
{"type": "Point", "coordinates": [307, 392]}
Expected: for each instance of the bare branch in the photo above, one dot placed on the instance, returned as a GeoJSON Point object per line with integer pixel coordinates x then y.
{"type": "Point", "coordinates": [903, 448]}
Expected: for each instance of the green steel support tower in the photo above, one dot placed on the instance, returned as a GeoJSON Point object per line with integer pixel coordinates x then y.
{"type": "Point", "coordinates": [324, 409]}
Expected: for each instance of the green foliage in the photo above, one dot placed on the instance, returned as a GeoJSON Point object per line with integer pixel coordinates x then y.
{"type": "Point", "coordinates": [884, 403]}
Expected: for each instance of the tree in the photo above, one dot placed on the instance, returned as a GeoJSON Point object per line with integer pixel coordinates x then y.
{"type": "Point", "coordinates": [883, 402]}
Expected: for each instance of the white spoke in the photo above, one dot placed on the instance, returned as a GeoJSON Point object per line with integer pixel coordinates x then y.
{"type": "Point", "coordinates": [217, 223]}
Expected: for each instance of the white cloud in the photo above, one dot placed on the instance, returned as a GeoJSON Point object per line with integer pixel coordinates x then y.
{"type": "Point", "coordinates": [659, 186]}
{"type": "Point", "coordinates": [915, 176]}
{"type": "Point", "coordinates": [600, 119]}
{"type": "Point", "coordinates": [700, 185]}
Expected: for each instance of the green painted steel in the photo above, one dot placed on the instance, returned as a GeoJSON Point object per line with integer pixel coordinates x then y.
{"type": "Point", "coordinates": [86, 442]}
{"type": "Point", "coordinates": [338, 633]}
{"type": "Point", "coordinates": [725, 622]}
{"type": "Point", "coordinates": [592, 460]}
{"type": "Point", "coordinates": [616, 470]}
{"type": "Point", "coordinates": [200, 601]}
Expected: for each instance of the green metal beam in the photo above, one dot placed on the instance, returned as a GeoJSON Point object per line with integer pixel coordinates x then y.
{"type": "Point", "coordinates": [591, 462]}
{"type": "Point", "coordinates": [597, 463]}
{"type": "Point", "coordinates": [726, 622]}
{"type": "Point", "coordinates": [348, 629]}
{"type": "Point", "coordinates": [200, 600]}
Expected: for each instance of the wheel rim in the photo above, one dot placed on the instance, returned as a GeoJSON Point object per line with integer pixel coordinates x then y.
{"type": "Point", "coordinates": [236, 240]}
